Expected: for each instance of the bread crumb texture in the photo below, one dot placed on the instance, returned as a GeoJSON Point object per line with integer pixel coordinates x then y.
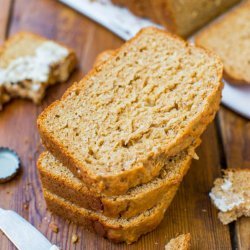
{"type": "Point", "coordinates": [231, 195]}
{"type": "Point", "coordinates": [60, 180]}
{"type": "Point", "coordinates": [182, 242]}
{"type": "Point", "coordinates": [154, 97]}
{"type": "Point", "coordinates": [229, 38]}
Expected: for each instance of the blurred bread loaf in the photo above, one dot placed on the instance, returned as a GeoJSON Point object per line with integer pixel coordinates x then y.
{"type": "Point", "coordinates": [178, 16]}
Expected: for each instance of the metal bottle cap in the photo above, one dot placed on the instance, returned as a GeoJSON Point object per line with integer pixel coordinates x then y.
{"type": "Point", "coordinates": [9, 164]}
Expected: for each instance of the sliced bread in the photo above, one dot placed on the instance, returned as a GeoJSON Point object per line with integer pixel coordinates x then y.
{"type": "Point", "coordinates": [117, 230]}
{"type": "Point", "coordinates": [182, 242]}
{"type": "Point", "coordinates": [29, 63]}
{"type": "Point", "coordinates": [229, 37]}
{"type": "Point", "coordinates": [152, 99]}
{"type": "Point", "coordinates": [231, 194]}
{"type": "Point", "coordinates": [59, 180]}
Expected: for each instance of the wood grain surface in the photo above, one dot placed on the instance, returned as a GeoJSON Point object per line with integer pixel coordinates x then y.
{"type": "Point", "coordinates": [226, 143]}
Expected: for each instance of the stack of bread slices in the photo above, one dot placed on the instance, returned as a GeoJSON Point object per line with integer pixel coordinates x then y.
{"type": "Point", "coordinates": [121, 140]}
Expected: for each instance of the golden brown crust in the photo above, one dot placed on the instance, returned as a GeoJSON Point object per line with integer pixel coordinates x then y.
{"type": "Point", "coordinates": [117, 206]}
{"type": "Point", "coordinates": [180, 17]}
{"type": "Point", "coordinates": [115, 230]}
{"type": "Point", "coordinates": [147, 169]}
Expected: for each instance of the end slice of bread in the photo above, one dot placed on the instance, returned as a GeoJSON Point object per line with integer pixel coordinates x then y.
{"type": "Point", "coordinates": [153, 98]}
{"type": "Point", "coordinates": [231, 194]}
{"type": "Point", "coordinates": [30, 63]}
{"type": "Point", "coordinates": [182, 242]}
{"type": "Point", "coordinates": [117, 230]}
{"type": "Point", "coordinates": [229, 37]}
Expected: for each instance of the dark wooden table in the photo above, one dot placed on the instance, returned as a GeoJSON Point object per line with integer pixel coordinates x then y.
{"type": "Point", "coordinates": [226, 143]}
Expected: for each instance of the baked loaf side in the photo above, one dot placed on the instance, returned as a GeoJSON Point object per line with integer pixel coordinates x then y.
{"type": "Point", "coordinates": [59, 180]}
{"type": "Point", "coordinates": [30, 63]}
{"type": "Point", "coordinates": [185, 17]}
{"type": "Point", "coordinates": [229, 38]}
{"type": "Point", "coordinates": [181, 17]}
{"type": "Point", "coordinates": [151, 100]}
{"type": "Point", "coordinates": [182, 242]}
{"type": "Point", "coordinates": [231, 194]}
{"type": "Point", "coordinates": [117, 230]}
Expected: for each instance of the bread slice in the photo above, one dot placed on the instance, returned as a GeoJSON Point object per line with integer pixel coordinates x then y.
{"type": "Point", "coordinates": [229, 37]}
{"type": "Point", "coordinates": [59, 180]}
{"type": "Point", "coordinates": [115, 127]}
{"type": "Point", "coordinates": [117, 230]}
{"type": "Point", "coordinates": [29, 63]}
{"type": "Point", "coordinates": [182, 242]}
{"type": "Point", "coordinates": [231, 194]}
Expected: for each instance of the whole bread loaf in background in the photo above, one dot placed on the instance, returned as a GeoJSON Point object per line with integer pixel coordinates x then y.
{"type": "Point", "coordinates": [152, 99]}
{"type": "Point", "coordinates": [229, 38]}
{"type": "Point", "coordinates": [178, 16]}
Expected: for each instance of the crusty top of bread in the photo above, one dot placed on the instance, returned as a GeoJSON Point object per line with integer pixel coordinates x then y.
{"type": "Point", "coordinates": [143, 101]}
{"type": "Point", "coordinates": [229, 37]}
{"type": "Point", "coordinates": [182, 242]}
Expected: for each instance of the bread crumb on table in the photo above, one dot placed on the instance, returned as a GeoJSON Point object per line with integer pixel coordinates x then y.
{"type": "Point", "coordinates": [54, 227]}
{"type": "Point", "coordinates": [74, 239]}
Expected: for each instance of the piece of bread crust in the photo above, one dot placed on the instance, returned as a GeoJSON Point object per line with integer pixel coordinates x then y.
{"type": "Point", "coordinates": [116, 230]}
{"type": "Point", "coordinates": [231, 194]}
{"type": "Point", "coordinates": [229, 38]}
{"type": "Point", "coordinates": [181, 17]}
{"type": "Point", "coordinates": [149, 166]}
{"type": "Point", "coordinates": [25, 44]}
{"type": "Point", "coordinates": [182, 242]}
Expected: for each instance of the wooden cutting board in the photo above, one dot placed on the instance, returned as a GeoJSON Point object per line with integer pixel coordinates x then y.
{"type": "Point", "coordinates": [226, 143]}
